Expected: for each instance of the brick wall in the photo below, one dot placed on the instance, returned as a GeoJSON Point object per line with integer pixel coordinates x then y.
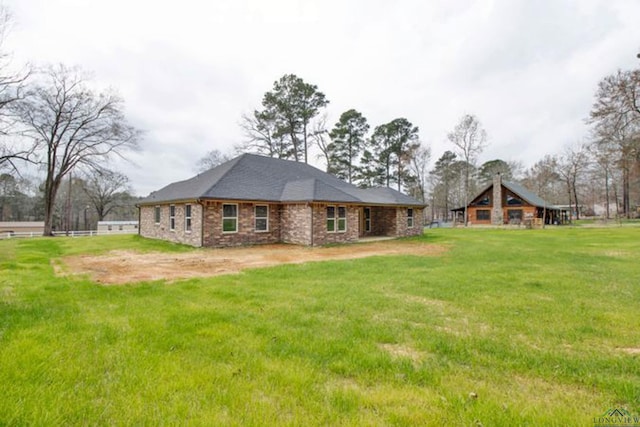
{"type": "Point", "coordinates": [246, 233]}
{"type": "Point", "coordinates": [287, 223]}
{"type": "Point", "coordinates": [296, 224]}
{"type": "Point", "coordinates": [402, 222]}
{"type": "Point", "coordinates": [161, 230]}
{"type": "Point", "coordinates": [323, 237]}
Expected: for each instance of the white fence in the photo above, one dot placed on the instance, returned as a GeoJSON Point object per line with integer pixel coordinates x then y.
{"type": "Point", "coordinates": [82, 233]}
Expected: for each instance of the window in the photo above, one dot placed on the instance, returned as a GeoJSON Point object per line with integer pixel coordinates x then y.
{"type": "Point", "coordinates": [485, 201]}
{"type": "Point", "coordinates": [367, 219]}
{"type": "Point", "coordinates": [262, 218]}
{"type": "Point", "coordinates": [336, 219]}
{"type": "Point", "coordinates": [157, 214]}
{"type": "Point", "coordinates": [172, 217]}
{"type": "Point", "coordinates": [109, 228]}
{"type": "Point", "coordinates": [409, 218]}
{"type": "Point", "coordinates": [331, 219]}
{"type": "Point", "coordinates": [120, 228]}
{"type": "Point", "coordinates": [187, 217]}
{"type": "Point", "coordinates": [515, 215]}
{"type": "Point", "coordinates": [483, 215]}
{"type": "Point", "coordinates": [513, 201]}
{"type": "Point", "coordinates": [229, 218]}
{"type": "Point", "coordinates": [342, 219]}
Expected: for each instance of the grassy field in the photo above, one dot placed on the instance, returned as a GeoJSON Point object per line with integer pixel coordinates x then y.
{"type": "Point", "coordinates": [508, 327]}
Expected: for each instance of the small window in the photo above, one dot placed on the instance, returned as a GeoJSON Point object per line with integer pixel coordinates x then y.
{"type": "Point", "coordinates": [262, 218]}
{"type": "Point", "coordinates": [187, 217]}
{"type": "Point", "coordinates": [483, 215]}
{"type": "Point", "coordinates": [120, 228]}
{"type": "Point", "coordinates": [513, 201]}
{"type": "Point", "coordinates": [342, 219]}
{"type": "Point", "coordinates": [409, 218]}
{"type": "Point", "coordinates": [367, 219]}
{"type": "Point", "coordinates": [485, 201]}
{"type": "Point", "coordinates": [229, 218]}
{"type": "Point", "coordinates": [157, 214]}
{"type": "Point", "coordinates": [109, 228]}
{"type": "Point", "coordinates": [172, 217]}
{"type": "Point", "coordinates": [331, 219]}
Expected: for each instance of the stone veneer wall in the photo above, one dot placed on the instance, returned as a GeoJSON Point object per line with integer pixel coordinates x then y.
{"type": "Point", "coordinates": [383, 221]}
{"type": "Point", "coordinates": [246, 233]}
{"type": "Point", "coordinates": [287, 223]}
{"type": "Point", "coordinates": [149, 228]}
{"type": "Point", "coordinates": [497, 214]}
{"type": "Point", "coordinates": [402, 227]}
{"type": "Point", "coordinates": [296, 220]}
{"type": "Point", "coordinates": [323, 237]}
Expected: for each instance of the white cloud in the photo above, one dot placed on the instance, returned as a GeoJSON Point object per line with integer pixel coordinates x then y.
{"type": "Point", "coordinates": [189, 69]}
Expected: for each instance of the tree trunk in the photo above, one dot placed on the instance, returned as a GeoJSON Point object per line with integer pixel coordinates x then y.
{"type": "Point", "coordinates": [51, 191]}
{"type": "Point", "coordinates": [606, 193]}
{"type": "Point", "coordinates": [626, 206]}
{"type": "Point", "coordinates": [575, 199]}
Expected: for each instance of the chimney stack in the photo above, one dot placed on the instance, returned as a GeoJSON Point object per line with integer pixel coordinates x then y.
{"type": "Point", "coordinates": [497, 212]}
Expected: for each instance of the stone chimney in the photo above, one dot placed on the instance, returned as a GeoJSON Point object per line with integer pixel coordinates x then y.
{"type": "Point", "coordinates": [496, 214]}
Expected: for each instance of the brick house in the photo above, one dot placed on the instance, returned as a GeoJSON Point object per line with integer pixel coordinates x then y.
{"type": "Point", "coordinates": [255, 199]}
{"type": "Point", "coordinates": [503, 202]}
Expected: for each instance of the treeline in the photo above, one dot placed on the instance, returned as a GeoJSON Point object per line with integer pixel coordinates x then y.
{"type": "Point", "coordinates": [600, 175]}
{"type": "Point", "coordinates": [53, 121]}
{"type": "Point", "coordinates": [81, 202]}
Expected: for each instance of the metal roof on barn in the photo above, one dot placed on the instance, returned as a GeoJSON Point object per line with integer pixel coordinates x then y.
{"type": "Point", "coordinates": [258, 178]}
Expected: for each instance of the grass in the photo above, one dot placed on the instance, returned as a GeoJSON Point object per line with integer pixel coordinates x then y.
{"type": "Point", "coordinates": [538, 324]}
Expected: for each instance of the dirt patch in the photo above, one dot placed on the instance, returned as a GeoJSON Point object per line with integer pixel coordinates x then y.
{"type": "Point", "coordinates": [403, 351]}
{"type": "Point", "coordinates": [631, 350]}
{"type": "Point", "coordinates": [119, 267]}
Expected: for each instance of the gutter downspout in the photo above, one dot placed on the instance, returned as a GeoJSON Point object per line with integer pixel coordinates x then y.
{"type": "Point", "coordinates": [202, 216]}
{"type": "Point", "coordinates": [311, 207]}
{"type": "Point", "coordinates": [139, 220]}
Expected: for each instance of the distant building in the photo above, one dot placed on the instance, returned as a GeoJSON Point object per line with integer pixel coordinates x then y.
{"type": "Point", "coordinates": [504, 202]}
{"type": "Point", "coordinates": [106, 227]}
{"type": "Point", "coordinates": [15, 227]}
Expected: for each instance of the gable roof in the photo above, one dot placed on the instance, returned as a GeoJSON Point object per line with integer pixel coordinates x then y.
{"type": "Point", "coordinates": [529, 196]}
{"type": "Point", "coordinates": [259, 178]}
{"type": "Point", "coordinates": [525, 194]}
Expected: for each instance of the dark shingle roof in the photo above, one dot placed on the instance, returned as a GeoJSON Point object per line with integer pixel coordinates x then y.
{"type": "Point", "coordinates": [259, 178]}
{"type": "Point", "coordinates": [529, 196]}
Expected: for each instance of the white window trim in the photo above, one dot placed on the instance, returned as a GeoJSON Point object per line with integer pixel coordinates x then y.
{"type": "Point", "coordinates": [230, 217]}
{"type": "Point", "coordinates": [172, 218]}
{"type": "Point", "coordinates": [159, 216]}
{"type": "Point", "coordinates": [190, 218]}
{"type": "Point", "coordinates": [336, 218]}
{"type": "Point", "coordinates": [367, 221]}
{"type": "Point", "coordinates": [410, 219]}
{"type": "Point", "coordinates": [255, 219]}
{"type": "Point", "coordinates": [346, 215]}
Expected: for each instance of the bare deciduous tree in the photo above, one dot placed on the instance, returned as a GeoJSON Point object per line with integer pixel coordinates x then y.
{"type": "Point", "coordinates": [72, 126]}
{"type": "Point", "coordinates": [262, 136]}
{"type": "Point", "coordinates": [212, 159]}
{"type": "Point", "coordinates": [11, 90]}
{"type": "Point", "coordinates": [615, 115]}
{"type": "Point", "coordinates": [571, 164]}
{"type": "Point", "coordinates": [102, 188]}
{"type": "Point", "coordinates": [469, 139]}
{"type": "Point", "coordinates": [418, 167]}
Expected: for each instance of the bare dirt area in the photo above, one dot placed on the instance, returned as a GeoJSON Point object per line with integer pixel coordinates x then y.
{"type": "Point", "coordinates": [119, 267]}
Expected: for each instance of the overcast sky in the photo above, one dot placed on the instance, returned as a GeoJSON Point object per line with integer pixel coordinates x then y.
{"type": "Point", "coordinates": [189, 69]}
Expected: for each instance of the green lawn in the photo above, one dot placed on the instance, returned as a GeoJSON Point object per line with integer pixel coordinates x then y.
{"type": "Point", "coordinates": [542, 325]}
